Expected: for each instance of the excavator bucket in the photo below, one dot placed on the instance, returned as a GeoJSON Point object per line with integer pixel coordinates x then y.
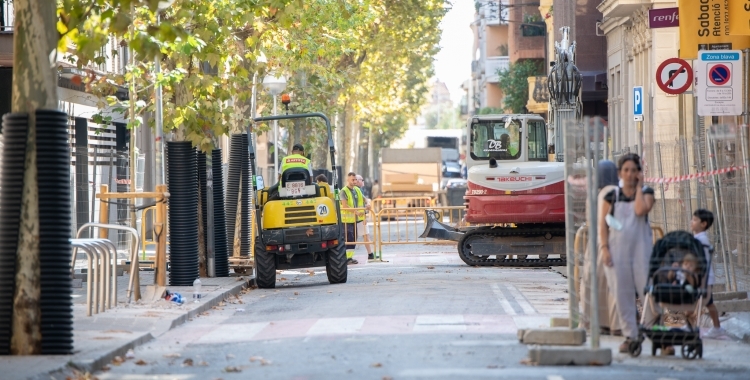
{"type": "Point", "coordinates": [437, 230]}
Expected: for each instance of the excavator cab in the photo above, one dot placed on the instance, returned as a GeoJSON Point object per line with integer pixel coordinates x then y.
{"type": "Point", "coordinates": [298, 222]}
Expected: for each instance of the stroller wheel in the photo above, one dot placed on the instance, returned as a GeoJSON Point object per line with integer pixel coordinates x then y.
{"type": "Point", "coordinates": [691, 352]}
{"type": "Point", "coordinates": [634, 348]}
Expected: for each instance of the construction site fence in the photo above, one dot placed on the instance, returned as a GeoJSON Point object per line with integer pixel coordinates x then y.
{"type": "Point", "coordinates": [708, 172]}
{"type": "Point", "coordinates": [401, 225]}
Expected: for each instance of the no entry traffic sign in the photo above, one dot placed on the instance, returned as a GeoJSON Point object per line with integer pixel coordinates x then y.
{"type": "Point", "coordinates": [674, 76]}
{"type": "Point", "coordinates": [719, 74]}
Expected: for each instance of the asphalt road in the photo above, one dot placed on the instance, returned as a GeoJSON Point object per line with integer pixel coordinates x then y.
{"type": "Point", "coordinates": [422, 315]}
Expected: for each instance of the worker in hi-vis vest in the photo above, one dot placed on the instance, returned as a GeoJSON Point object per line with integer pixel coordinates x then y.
{"type": "Point", "coordinates": [351, 197]}
{"type": "Point", "coordinates": [294, 160]}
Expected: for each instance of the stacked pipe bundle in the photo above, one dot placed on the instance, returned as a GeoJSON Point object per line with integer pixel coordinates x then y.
{"type": "Point", "coordinates": [238, 168]}
{"type": "Point", "coordinates": [182, 182]}
{"type": "Point", "coordinates": [202, 190]}
{"type": "Point", "coordinates": [53, 165]}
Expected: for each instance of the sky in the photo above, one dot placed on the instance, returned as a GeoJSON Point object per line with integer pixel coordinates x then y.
{"type": "Point", "coordinates": [453, 62]}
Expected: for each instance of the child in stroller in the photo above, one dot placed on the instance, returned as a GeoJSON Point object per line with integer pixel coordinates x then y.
{"type": "Point", "coordinates": [677, 281]}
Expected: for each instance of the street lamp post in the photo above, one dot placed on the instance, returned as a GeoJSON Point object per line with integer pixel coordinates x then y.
{"type": "Point", "coordinates": [275, 85]}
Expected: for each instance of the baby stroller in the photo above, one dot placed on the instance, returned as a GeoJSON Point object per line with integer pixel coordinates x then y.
{"type": "Point", "coordinates": [677, 281]}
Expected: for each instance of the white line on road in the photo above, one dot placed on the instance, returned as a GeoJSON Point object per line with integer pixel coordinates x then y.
{"type": "Point", "coordinates": [243, 332]}
{"type": "Point", "coordinates": [436, 323]}
{"type": "Point", "coordinates": [336, 326]}
{"type": "Point", "coordinates": [503, 301]}
{"type": "Point", "coordinates": [525, 305]}
{"type": "Point", "coordinates": [555, 377]}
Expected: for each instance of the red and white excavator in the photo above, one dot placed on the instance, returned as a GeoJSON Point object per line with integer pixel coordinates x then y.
{"type": "Point", "coordinates": [515, 197]}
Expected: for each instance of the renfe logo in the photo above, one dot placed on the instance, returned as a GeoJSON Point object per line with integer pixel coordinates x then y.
{"type": "Point", "coordinates": [663, 18]}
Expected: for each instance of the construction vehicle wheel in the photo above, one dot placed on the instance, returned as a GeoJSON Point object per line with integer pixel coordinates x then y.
{"type": "Point", "coordinates": [336, 266]}
{"type": "Point", "coordinates": [265, 266]}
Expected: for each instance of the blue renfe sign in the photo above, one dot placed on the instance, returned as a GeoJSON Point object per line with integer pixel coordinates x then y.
{"type": "Point", "coordinates": [638, 103]}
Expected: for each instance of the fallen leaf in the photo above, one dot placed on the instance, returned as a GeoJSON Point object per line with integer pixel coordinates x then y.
{"type": "Point", "coordinates": [230, 356]}
{"type": "Point", "coordinates": [296, 293]}
{"type": "Point", "coordinates": [221, 303]}
{"type": "Point", "coordinates": [265, 362]}
{"type": "Point", "coordinates": [203, 363]}
{"type": "Point", "coordinates": [283, 279]}
{"type": "Point", "coordinates": [390, 279]}
{"type": "Point", "coordinates": [254, 359]}
{"type": "Point", "coordinates": [232, 369]}
{"type": "Point", "coordinates": [330, 291]}
{"type": "Point", "coordinates": [430, 267]}
{"type": "Point", "coordinates": [376, 365]}
{"type": "Point", "coordinates": [106, 368]}
{"type": "Point", "coordinates": [117, 360]}
{"type": "Point", "coordinates": [175, 355]}
{"type": "Point", "coordinates": [400, 272]}
{"type": "Point", "coordinates": [387, 378]}
{"type": "Point", "coordinates": [187, 363]}
{"type": "Point", "coordinates": [140, 362]}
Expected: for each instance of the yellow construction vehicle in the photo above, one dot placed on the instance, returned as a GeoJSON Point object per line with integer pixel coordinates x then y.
{"type": "Point", "coordinates": [298, 222]}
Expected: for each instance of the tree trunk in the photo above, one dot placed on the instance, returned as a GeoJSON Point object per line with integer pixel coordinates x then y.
{"type": "Point", "coordinates": [352, 140]}
{"type": "Point", "coordinates": [340, 138]}
{"type": "Point", "coordinates": [34, 87]}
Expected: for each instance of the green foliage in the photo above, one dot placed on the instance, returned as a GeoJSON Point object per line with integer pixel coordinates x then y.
{"type": "Point", "coordinates": [490, 111]}
{"type": "Point", "coordinates": [373, 54]}
{"type": "Point", "coordinates": [515, 86]}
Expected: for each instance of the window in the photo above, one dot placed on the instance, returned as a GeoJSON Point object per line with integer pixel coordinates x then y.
{"type": "Point", "coordinates": [498, 139]}
{"type": "Point", "coordinates": [537, 141]}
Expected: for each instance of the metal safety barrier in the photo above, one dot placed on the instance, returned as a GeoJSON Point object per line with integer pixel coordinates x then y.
{"type": "Point", "coordinates": [134, 282]}
{"type": "Point", "coordinates": [409, 223]}
{"type": "Point", "coordinates": [381, 203]}
{"type": "Point", "coordinates": [367, 241]}
{"type": "Point", "coordinates": [145, 243]}
{"type": "Point", "coordinates": [101, 272]}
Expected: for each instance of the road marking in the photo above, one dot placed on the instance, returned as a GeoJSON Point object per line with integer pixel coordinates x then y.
{"type": "Point", "coordinates": [504, 303]}
{"type": "Point", "coordinates": [491, 343]}
{"type": "Point", "coordinates": [328, 326]}
{"type": "Point", "coordinates": [439, 323]}
{"type": "Point", "coordinates": [233, 333]}
{"type": "Point", "coordinates": [555, 377]}
{"type": "Point", "coordinates": [525, 305]}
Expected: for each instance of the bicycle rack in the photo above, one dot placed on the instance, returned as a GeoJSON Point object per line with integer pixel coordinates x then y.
{"type": "Point", "coordinates": [134, 269]}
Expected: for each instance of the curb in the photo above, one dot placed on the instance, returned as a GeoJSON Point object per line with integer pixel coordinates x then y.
{"type": "Point", "coordinates": [96, 364]}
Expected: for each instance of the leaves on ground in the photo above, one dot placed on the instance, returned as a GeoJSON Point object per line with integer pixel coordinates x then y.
{"type": "Point", "coordinates": [230, 356]}
{"type": "Point", "coordinates": [390, 279]}
{"type": "Point", "coordinates": [78, 375]}
{"type": "Point", "coordinates": [117, 360]}
{"type": "Point", "coordinates": [376, 365]}
{"type": "Point", "coordinates": [172, 355]}
{"type": "Point", "coordinates": [296, 293]}
{"type": "Point", "coordinates": [430, 267]}
{"type": "Point", "coordinates": [141, 362]}
{"type": "Point", "coordinates": [232, 369]}
{"type": "Point", "coordinates": [187, 362]}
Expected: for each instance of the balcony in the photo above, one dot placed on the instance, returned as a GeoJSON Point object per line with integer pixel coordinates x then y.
{"type": "Point", "coordinates": [495, 12]}
{"type": "Point", "coordinates": [492, 65]}
{"type": "Point", "coordinates": [538, 95]}
{"type": "Point", "coordinates": [620, 8]}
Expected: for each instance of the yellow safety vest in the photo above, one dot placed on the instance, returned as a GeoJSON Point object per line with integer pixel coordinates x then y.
{"type": "Point", "coordinates": [295, 161]}
{"type": "Point", "coordinates": [348, 216]}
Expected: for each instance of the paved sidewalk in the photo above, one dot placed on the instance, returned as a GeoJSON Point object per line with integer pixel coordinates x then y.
{"type": "Point", "coordinates": [101, 337]}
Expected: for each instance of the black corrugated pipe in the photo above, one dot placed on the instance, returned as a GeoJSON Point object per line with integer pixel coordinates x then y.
{"type": "Point", "coordinates": [14, 152]}
{"type": "Point", "coordinates": [183, 214]}
{"type": "Point", "coordinates": [204, 206]}
{"type": "Point", "coordinates": [53, 163]}
{"type": "Point", "coordinates": [238, 168]}
{"type": "Point", "coordinates": [221, 258]}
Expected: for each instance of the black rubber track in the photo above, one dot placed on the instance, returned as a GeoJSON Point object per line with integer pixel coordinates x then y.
{"type": "Point", "coordinates": [336, 265]}
{"type": "Point", "coordinates": [14, 151]}
{"type": "Point", "coordinates": [183, 213]}
{"type": "Point", "coordinates": [265, 266]}
{"type": "Point", "coordinates": [464, 249]}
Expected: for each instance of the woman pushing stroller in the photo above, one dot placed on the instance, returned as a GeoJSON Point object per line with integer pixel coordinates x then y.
{"type": "Point", "coordinates": [625, 242]}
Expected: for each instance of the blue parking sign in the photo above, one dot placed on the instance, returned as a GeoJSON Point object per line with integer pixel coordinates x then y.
{"type": "Point", "coordinates": [638, 103]}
